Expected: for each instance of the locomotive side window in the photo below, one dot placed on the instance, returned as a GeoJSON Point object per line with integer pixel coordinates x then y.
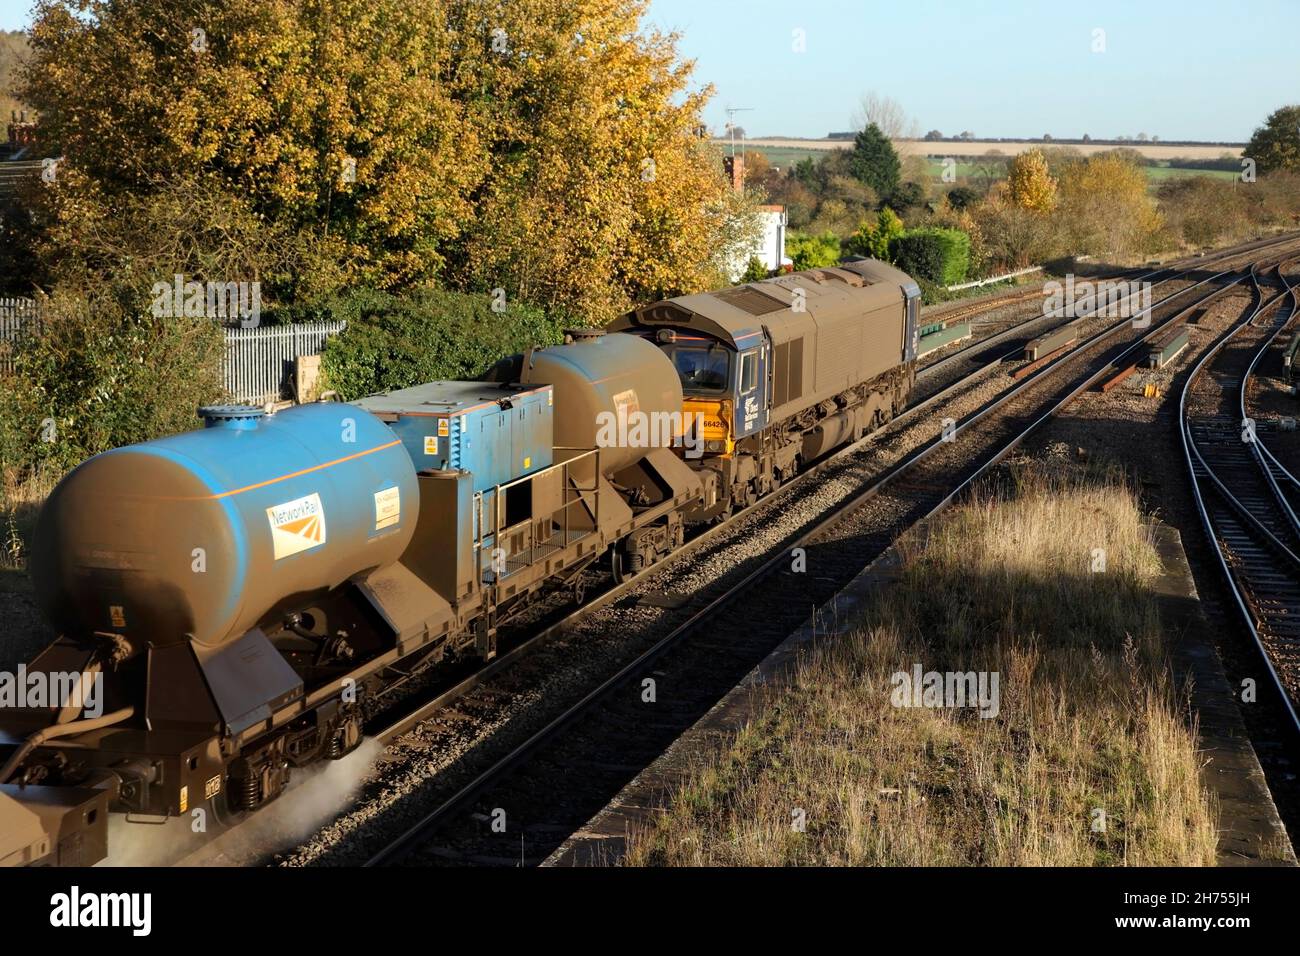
{"type": "Point", "coordinates": [748, 372]}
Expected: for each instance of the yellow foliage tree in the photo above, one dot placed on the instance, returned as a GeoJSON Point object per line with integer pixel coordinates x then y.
{"type": "Point", "coordinates": [1105, 206]}
{"type": "Point", "coordinates": [600, 192]}
{"type": "Point", "coordinates": [546, 147]}
{"type": "Point", "coordinates": [1030, 184]}
{"type": "Point", "coordinates": [274, 101]}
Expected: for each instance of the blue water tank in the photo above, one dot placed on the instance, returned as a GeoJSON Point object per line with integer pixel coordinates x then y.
{"type": "Point", "coordinates": [208, 532]}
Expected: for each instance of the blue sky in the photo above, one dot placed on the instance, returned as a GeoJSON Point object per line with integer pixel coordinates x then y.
{"type": "Point", "coordinates": [1178, 69]}
{"type": "Point", "coordinates": [1190, 69]}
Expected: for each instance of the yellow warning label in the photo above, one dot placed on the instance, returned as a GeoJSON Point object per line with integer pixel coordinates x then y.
{"type": "Point", "coordinates": [212, 787]}
{"type": "Point", "coordinates": [443, 426]}
{"type": "Point", "coordinates": [528, 463]}
{"type": "Point", "coordinates": [297, 525]}
{"type": "Point", "coordinates": [185, 799]}
{"type": "Point", "coordinates": [430, 444]}
{"type": "Point", "coordinates": [117, 615]}
{"type": "Point", "coordinates": [388, 508]}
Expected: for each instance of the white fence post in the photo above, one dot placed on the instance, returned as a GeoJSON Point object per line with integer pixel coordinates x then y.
{"type": "Point", "coordinates": [991, 279]}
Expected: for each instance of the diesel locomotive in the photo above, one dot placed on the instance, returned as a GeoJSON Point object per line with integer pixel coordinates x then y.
{"type": "Point", "coordinates": [241, 597]}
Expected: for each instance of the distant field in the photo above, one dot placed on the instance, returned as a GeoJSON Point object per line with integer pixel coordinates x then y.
{"type": "Point", "coordinates": [784, 157]}
{"type": "Point", "coordinates": [1170, 172]}
{"type": "Point", "coordinates": [781, 156]}
{"type": "Point", "coordinates": [967, 170]}
{"type": "Point", "coordinates": [806, 147]}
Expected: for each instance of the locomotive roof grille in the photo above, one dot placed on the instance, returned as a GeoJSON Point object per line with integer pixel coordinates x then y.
{"type": "Point", "coordinates": [751, 300]}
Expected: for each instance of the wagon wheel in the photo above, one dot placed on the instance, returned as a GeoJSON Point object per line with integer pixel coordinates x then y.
{"type": "Point", "coordinates": [620, 567]}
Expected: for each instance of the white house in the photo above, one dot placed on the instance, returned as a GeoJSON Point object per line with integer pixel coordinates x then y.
{"type": "Point", "coordinates": [769, 248]}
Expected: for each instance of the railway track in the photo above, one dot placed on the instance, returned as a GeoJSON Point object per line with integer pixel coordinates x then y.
{"type": "Point", "coordinates": [1005, 345]}
{"type": "Point", "coordinates": [517, 648]}
{"type": "Point", "coordinates": [1247, 500]}
{"type": "Point", "coordinates": [935, 382]}
{"type": "Point", "coordinates": [609, 734]}
{"type": "Point", "coordinates": [1022, 294]}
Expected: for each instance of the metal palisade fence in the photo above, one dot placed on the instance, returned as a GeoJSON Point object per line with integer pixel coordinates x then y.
{"type": "Point", "coordinates": [259, 362]}
{"type": "Point", "coordinates": [16, 317]}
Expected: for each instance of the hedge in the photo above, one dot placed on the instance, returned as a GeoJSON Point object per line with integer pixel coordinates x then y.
{"type": "Point", "coordinates": [935, 254]}
{"type": "Point", "coordinates": [103, 373]}
{"type": "Point", "coordinates": [812, 252]}
{"type": "Point", "coordinates": [424, 336]}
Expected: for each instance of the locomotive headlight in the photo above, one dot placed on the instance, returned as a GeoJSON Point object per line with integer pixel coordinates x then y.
{"type": "Point", "coordinates": [715, 445]}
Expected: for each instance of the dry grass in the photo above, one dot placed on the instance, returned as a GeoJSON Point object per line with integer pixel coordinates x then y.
{"type": "Point", "coordinates": [1088, 718]}
{"type": "Point", "coordinates": [22, 631]}
{"type": "Point", "coordinates": [20, 502]}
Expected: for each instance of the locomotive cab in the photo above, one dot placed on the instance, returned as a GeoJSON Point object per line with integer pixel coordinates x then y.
{"type": "Point", "coordinates": [725, 393]}
{"type": "Point", "coordinates": [778, 372]}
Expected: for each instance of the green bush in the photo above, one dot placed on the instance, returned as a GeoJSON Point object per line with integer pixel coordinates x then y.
{"type": "Point", "coordinates": [103, 373]}
{"type": "Point", "coordinates": [754, 271]}
{"type": "Point", "coordinates": [812, 252]}
{"type": "Point", "coordinates": [907, 195]}
{"type": "Point", "coordinates": [960, 197]}
{"type": "Point", "coordinates": [933, 253]}
{"type": "Point", "coordinates": [873, 239]}
{"type": "Point", "coordinates": [424, 336]}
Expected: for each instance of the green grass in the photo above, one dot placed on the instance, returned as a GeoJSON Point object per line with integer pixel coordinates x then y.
{"type": "Point", "coordinates": [782, 156]}
{"type": "Point", "coordinates": [1158, 173]}
{"type": "Point", "coordinates": [971, 169]}
{"type": "Point", "coordinates": [967, 170]}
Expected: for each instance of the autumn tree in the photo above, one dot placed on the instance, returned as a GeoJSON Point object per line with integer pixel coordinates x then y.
{"type": "Point", "coordinates": [546, 147]}
{"type": "Point", "coordinates": [1276, 144]}
{"type": "Point", "coordinates": [1030, 184]}
{"type": "Point", "coordinates": [327, 117]}
{"type": "Point", "coordinates": [886, 114]}
{"type": "Point", "coordinates": [1203, 211]}
{"type": "Point", "coordinates": [873, 238]}
{"type": "Point", "coordinates": [1009, 236]}
{"type": "Point", "coordinates": [600, 193]}
{"type": "Point", "coordinates": [13, 46]}
{"type": "Point", "coordinates": [1105, 206]}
